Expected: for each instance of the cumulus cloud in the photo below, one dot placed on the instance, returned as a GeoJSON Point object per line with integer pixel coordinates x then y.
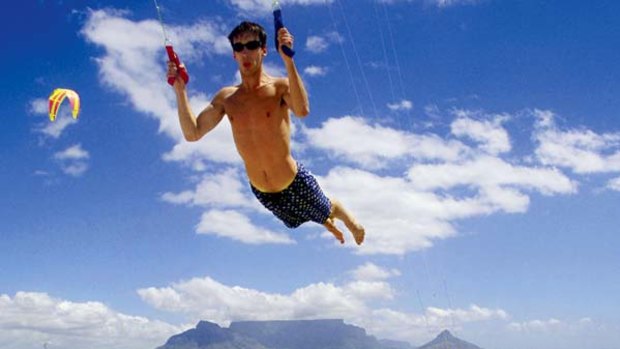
{"type": "Point", "coordinates": [491, 136]}
{"type": "Point", "coordinates": [316, 44]}
{"type": "Point", "coordinates": [614, 184]}
{"type": "Point", "coordinates": [225, 189]}
{"type": "Point", "coordinates": [438, 3]}
{"type": "Point", "coordinates": [136, 68]}
{"type": "Point", "coordinates": [29, 319]}
{"type": "Point", "coordinates": [314, 70]}
{"type": "Point", "coordinates": [54, 129]}
{"type": "Point", "coordinates": [421, 206]}
{"type": "Point", "coordinates": [263, 7]}
{"type": "Point", "coordinates": [320, 43]}
{"type": "Point", "coordinates": [220, 193]}
{"type": "Point", "coordinates": [237, 226]}
{"type": "Point", "coordinates": [448, 3]}
{"type": "Point", "coordinates": [357, 302]}
{"type": "Point", "coordinates": [402, 105]}
{"type": "Point", "coordinates": [354, 140]}
{"type": "Point", "coordinates": [580, 150]}
{"type": "Point", "coordinates": [553, 325]}
{"type": "Point", "coordinates": [73, 160]}
{"type": "Point", "coordinates": [371, 272]}
{"type": "Point", "coordinates": [535, 325]}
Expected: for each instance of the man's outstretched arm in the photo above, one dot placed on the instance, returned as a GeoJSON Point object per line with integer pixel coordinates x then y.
{"type": "Point", "coordinates": [194, 127]}
{"type": "Point", "coordinates": [297, 97]}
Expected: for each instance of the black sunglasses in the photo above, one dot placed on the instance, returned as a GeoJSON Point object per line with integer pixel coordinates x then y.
{"type": "Point", "coordinates": [250, 45]}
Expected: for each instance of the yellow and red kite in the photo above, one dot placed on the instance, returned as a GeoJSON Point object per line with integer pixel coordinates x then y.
{"type": "Point", "coordinates": [58, 96]}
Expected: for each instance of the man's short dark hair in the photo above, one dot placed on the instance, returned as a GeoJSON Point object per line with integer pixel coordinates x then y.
{"type": "Point", "coordinates": [251, 28]}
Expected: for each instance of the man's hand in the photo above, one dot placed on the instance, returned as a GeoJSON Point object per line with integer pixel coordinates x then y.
{"type": "Point", "coordinates": [173, 72]}
{"type": "Point", "coordinates": [284, 38]}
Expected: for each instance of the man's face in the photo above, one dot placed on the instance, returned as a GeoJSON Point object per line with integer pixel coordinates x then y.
{"type": "Point", "coordinates": [248, 52]}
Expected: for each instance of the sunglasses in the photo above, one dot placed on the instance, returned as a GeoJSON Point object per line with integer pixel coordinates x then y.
{"type": "Point", "coordinates": [250, 45]}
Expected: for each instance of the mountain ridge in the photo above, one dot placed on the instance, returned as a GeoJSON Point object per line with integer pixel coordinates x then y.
{"type": "Point", "coordinates": [296, 334]}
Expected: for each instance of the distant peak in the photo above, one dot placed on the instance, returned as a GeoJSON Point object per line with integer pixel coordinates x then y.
{"type": "Point", "coordinates": [445, 334]}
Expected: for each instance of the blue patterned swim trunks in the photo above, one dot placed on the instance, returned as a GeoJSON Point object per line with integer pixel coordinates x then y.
{"type": "Point", "coordinates": [302, 201]}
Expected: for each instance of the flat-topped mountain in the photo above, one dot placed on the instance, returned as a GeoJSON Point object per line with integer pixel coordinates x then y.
{"type": "Point", "coordinates": [295, 334]}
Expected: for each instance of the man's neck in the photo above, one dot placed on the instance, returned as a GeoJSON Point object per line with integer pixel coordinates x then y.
{"type": "Point", "coordinates": [255, 81]}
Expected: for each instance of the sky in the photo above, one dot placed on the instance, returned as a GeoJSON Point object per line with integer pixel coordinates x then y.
{"type": "Point", "coordinates": [478, 141]}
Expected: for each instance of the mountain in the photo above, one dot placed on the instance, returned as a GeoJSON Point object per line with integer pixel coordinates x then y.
{"type": "Point", "coordinates": [445, 340]}
{"type": "Point", "coordinates": [208, 335]}
{"type": "Point", "coordinates": [295, 334]}
{"type": "Point", "coordinates": [306, 334]}
{"type": "Point", "coordinates": [392, 344]}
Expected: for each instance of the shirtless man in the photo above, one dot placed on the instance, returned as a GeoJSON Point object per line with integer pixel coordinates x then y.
{"type": "Point", "coordinates": [258, 111]}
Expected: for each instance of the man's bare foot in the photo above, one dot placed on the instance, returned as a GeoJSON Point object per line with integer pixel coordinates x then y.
{"type": "Point", "coordinates": [358, 232]}
{"type": "Point", "coordinates": [331, 226]}
{"type": "Point", "coordinates": [355, 228]}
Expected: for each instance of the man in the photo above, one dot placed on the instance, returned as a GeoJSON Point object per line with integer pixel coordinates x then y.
{"type": "Point", "coordinates": [258, 111]}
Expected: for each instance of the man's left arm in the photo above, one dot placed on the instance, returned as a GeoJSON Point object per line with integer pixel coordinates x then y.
{"type": "Point", "coordinates": [296, 97]}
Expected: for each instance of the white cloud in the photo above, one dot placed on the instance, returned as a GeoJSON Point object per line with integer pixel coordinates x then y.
{"type": "Point", "coordinates": [421, 206]}
{"type": "Point", "coordinates": [237, 226]}
{"type": "Point", "coordinates": [74, 152]}
{"type": "Point", "coordinates": [354, 140]}
{"type": "Point", "coordinates": [314, 70]}
{"type": "Point", "coordinates": [535, 325]}
{"type": "Point", "coordinates": [73, 160]}
{"type": "Point", "coordinates": [581, 150]}
{"type": "Point", "coordinates": [372, 272]}
{"type": "Point", "coordinates": [319, 44]}
{"type": "Point", "coordinates": [355, 302]}
{"type": "Point", "coordinates": [55, 129]}
{"type": "Point", "coordinates": [448, 3]}
{"type": "Point", "coordinates": [402, 105]}
{"type": "Point", "coordinates": [316, 44]}
{"type": "Point", "coordinates": [225, 189]}
{"type": "Point", "coordinates": [28, 319]}
{"type": "Point", "coordinates": [614, 184]}
{"type": "Point", "coordinates": [136, 68]}
{"type": "Point", "coordinates": [491, 136]}
{"type": "Point", "coordinates": [39, 107]}
{"type": "Point", "coordinates": [489, 172]}
{"type": "Point", "coordinates": [262, 7]}
{"type": "Point", "coordinates": [438, 3]}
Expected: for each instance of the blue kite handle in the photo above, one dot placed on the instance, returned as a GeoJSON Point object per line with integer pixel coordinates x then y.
{"type": "Point", "coordinates": [277, 22]}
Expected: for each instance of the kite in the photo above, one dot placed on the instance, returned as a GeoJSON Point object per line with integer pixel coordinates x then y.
{"type": "Point", "coordinates": [58, 96]}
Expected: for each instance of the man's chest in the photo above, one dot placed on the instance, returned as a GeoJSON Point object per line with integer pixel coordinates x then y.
{"type": "Point", "coordinates": [261, 106]}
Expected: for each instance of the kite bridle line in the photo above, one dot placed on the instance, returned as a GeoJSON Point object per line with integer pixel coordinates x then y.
{"type": "Point", "coordinates": [170, 50]}
{"type": "Point", "coordinates": [161, 22]}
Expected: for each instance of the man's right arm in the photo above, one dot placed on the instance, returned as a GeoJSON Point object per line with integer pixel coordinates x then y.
{"type": "Point", "coordinates": [193, 127]}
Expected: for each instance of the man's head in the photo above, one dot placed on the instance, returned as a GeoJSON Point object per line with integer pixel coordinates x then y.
{"type": "Point", "coordinates": [248, 29]}
{"type": "Point", "coordinates": [249, 43]}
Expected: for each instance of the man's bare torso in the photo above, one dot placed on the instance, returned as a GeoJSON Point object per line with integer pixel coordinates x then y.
{"type": "Point", "coordinates": [261, 129]}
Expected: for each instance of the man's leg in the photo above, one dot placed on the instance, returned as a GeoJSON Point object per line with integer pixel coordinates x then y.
{"type": "Point", "coordinates": [329, 224]}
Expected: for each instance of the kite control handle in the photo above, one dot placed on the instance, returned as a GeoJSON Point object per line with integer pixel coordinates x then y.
{"type": "Point", "coordinates": [277, 21]}
{"type": "Point", "coordinates": [180, 68]}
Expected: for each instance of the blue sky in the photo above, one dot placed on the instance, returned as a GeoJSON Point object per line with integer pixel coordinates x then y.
{"type": "Point", "coordinates": [477, 141]}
